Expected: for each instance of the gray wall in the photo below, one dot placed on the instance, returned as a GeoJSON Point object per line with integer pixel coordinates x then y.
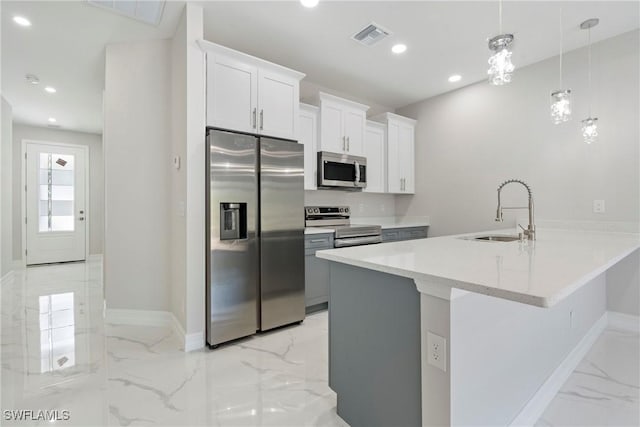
{"type": "Point", "coordinates": [470, 140]}
{"type": "Point", "coordinates": [137, 139]}
{"type": "Point", "coordinates": [96, 179]}
{"type": "Point", "coordinates": [6, 258]}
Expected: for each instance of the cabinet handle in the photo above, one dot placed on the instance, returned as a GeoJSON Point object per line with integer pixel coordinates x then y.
{"type": "Point", "coordinates": [348, 144]}
{"type": "Point", "coordinates": [261, 119]}
{"type": "Point", "coordinates": [344, 143]}
{"type": "Point", "coordinates": [254, 117]}
{"type": "Point", "coordinates": [317, 240]}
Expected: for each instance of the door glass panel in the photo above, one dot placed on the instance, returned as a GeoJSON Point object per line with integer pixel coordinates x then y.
{"type": "Point", "coordinates": [56, 190]}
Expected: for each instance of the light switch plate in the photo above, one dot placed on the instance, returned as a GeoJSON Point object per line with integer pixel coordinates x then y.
{"type": "Point", "coordinates": [437, 355]}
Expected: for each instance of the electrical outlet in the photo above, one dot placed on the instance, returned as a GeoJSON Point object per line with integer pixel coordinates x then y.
{"type": "Point", "coordinates": [437, 355]}
{"type": "Point", "coordinates": [598, 206]}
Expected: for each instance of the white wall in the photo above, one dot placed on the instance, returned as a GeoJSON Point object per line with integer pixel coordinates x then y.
{"type": "Point", "coordinates": [6, 258]}
{"type": "Point", "coordinates": [470, 140]}
{"type": "Point", "coordinates": [137, 142]}
{"type": "Point", "coordinates": [96, 179]}
{"type": "Point", "coordinates": [178, 176]}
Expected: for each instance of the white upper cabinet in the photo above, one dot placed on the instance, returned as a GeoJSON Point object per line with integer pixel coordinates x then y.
{"type": "Point", "coordinates": [400, 153]}
{"type": "Point", "coordinates": [342, 125]}
{"type": "Point", "coordinates": [308, 135]}
{"type": "Point", "coordinates": [251, 95]}
{"type": "Point", "coordinates": [375, 152]}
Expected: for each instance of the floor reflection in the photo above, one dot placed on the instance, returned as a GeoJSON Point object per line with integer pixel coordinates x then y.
{"type": "Point", "coordinates": [57, 332]}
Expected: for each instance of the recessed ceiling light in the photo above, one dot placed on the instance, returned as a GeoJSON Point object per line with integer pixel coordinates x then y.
{"type": "Point", "coordinates": [309, 3]}
{"type": "Point", "coordinates": [52, 120]}
{"type": "Point", "coordinates": [32, 78]}
{"type": "Point", "coordinates": [22, 21]}
{"type": "Point", "coordinates": [50, 89]}
{"type": "Point", "coordinates": [399, 48]}
{"type": "Point", "coordinates": [455, 78]}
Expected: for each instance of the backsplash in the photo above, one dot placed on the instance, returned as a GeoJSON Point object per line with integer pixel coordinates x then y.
{"type": "Point", "coordinates": [361, 204]}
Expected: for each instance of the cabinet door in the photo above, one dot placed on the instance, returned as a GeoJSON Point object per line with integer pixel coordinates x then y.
{"type": "Point", "coordinates": [316, 280]}
{"type": "Point", "coordinates": [406, 157]}
{"type": "Point", "coordinates": [354, 126]}
{"type": "Point", "coordinates": [231, 94]}
{"type": "Point", "coordinates": [394, 167]}
{"type": "Point", "coordinates": [278, 105]}
{"type": "Point", "coordinates": [331, 128]}
{"type": "Point", "coordinates": [374, 151]}
{"type": "Point", "coordinates": [307, 135]}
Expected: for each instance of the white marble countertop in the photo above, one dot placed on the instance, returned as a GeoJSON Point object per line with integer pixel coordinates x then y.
{"type": "Point", "coordinates": [539, 273]}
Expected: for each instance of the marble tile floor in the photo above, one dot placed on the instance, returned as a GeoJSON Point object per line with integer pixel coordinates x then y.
{"type": "Point", "coordinates": [57, 353]}
{"type": "Point", "coordinates": [604, 389]}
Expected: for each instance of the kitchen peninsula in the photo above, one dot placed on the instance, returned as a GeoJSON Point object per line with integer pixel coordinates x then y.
{"type": "Point", "coordinates": [458, 331]}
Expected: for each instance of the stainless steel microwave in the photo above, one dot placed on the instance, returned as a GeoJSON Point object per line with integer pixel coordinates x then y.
{"type": "Point", "coordinates": [341, 171]}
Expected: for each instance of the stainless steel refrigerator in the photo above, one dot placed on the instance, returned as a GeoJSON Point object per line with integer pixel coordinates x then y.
{"type": "Point", "coordinates": [255, 234]}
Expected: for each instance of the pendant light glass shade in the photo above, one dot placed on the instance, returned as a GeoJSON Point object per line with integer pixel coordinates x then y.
{"type": "Point", "coordinates": [590, 130]}
{"type": "Point", "coordinates": [561, 106]}
{"type": "Point", "coordinates": [500, 65]}
{"type": "Point", "coordinates": [590, 124]}
{"type": "Point", "coordinates": [561, 98]}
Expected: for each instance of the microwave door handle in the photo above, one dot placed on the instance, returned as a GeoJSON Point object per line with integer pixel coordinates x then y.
{"type": "Point", "coordinates": [357, 165]}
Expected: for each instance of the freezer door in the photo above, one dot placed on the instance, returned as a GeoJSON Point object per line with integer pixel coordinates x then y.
{"type": "Point", "coordinates": [282, 232]}
{"type": "Point", "coordinates": [232, 241]}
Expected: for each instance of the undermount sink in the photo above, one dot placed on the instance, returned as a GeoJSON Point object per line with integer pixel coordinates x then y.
{"type": "Point", "coordinates": [494, 238]}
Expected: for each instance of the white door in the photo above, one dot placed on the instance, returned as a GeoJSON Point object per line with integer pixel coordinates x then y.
{"type": "Point", "coordinates": [331, 129]}
{"type": "Point", "coordinates": [394, 167]}
{"type": "Point", "coordinates": [375, 154]}
{"type": "Point", "coordinates": [232, 94]}
{"type": "Point", "coordinates": [278, 101]}
{"type": "Point", "coordinates": [407, 158]}
{"type": "Point", "coordinates": [55, 203]}
{"type": "Point", "coordinates": [354, 124]}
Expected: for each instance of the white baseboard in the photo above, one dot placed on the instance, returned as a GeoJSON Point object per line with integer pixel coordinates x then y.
{"type": "Point", "coordinates": [534, 409]}
{"type": "Point", "coordinates": [194, 341]}
{"type": "Point", "coordinates": [189, 342]}
{"type": "Point", "coordinates": [623, 321]}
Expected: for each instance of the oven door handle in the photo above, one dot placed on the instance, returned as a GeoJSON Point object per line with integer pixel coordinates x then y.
{"type": "Point", "coordinates": [356, 241]}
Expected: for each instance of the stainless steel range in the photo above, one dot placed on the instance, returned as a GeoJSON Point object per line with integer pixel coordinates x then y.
{"type": "Point", "coordinates": [339, 218]}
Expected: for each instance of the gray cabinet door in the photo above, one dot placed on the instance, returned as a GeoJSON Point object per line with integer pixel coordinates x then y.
{"type": "Point", "coordinates": [316, 270]}
{"type": "Point", "coordinates": [409, 233]}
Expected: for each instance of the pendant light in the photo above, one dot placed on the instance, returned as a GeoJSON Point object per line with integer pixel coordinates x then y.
{"type": "Point", "coordinates": [500, 66]}
{"type": "Point", "coordinates": [590, 124]}
{"type": "Point", "coordinates": [561, 98]}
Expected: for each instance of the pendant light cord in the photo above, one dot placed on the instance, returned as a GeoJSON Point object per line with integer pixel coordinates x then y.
{"type": "Point", "coordinates": [589, 74]}
{"type": "Point", "coordinates": [561, 42]}
{"type": "Point", "coordinates": [499, 16]}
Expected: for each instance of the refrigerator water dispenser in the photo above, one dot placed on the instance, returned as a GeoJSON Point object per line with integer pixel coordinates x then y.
{"type": "Point", "coordinates": [233, 221]}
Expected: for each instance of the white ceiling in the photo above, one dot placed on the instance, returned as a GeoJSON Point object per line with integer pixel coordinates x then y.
{"type": "Point", "coordinates": [443, 38]}
{"type": "Point", "coordinates": [65, 45]}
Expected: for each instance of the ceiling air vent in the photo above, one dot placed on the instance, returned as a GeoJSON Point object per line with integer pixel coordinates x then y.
{"type": "Point", "coordinates": [371, 34]}
{"type": "Point", "coordinates": [147, 11]}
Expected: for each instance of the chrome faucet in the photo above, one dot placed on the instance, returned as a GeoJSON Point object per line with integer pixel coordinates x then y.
{"type": "Point", "coordinates": [530, 231]}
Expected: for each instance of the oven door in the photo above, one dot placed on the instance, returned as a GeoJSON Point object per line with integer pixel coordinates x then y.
{"type": "Point", "coordinates": [340, 170]}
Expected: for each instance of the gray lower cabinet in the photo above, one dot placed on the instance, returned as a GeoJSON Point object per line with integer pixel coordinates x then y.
{"type": "Point", "coordinates": [316, 269]}
{"type": "Point", "coordinates": [408, 233]}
